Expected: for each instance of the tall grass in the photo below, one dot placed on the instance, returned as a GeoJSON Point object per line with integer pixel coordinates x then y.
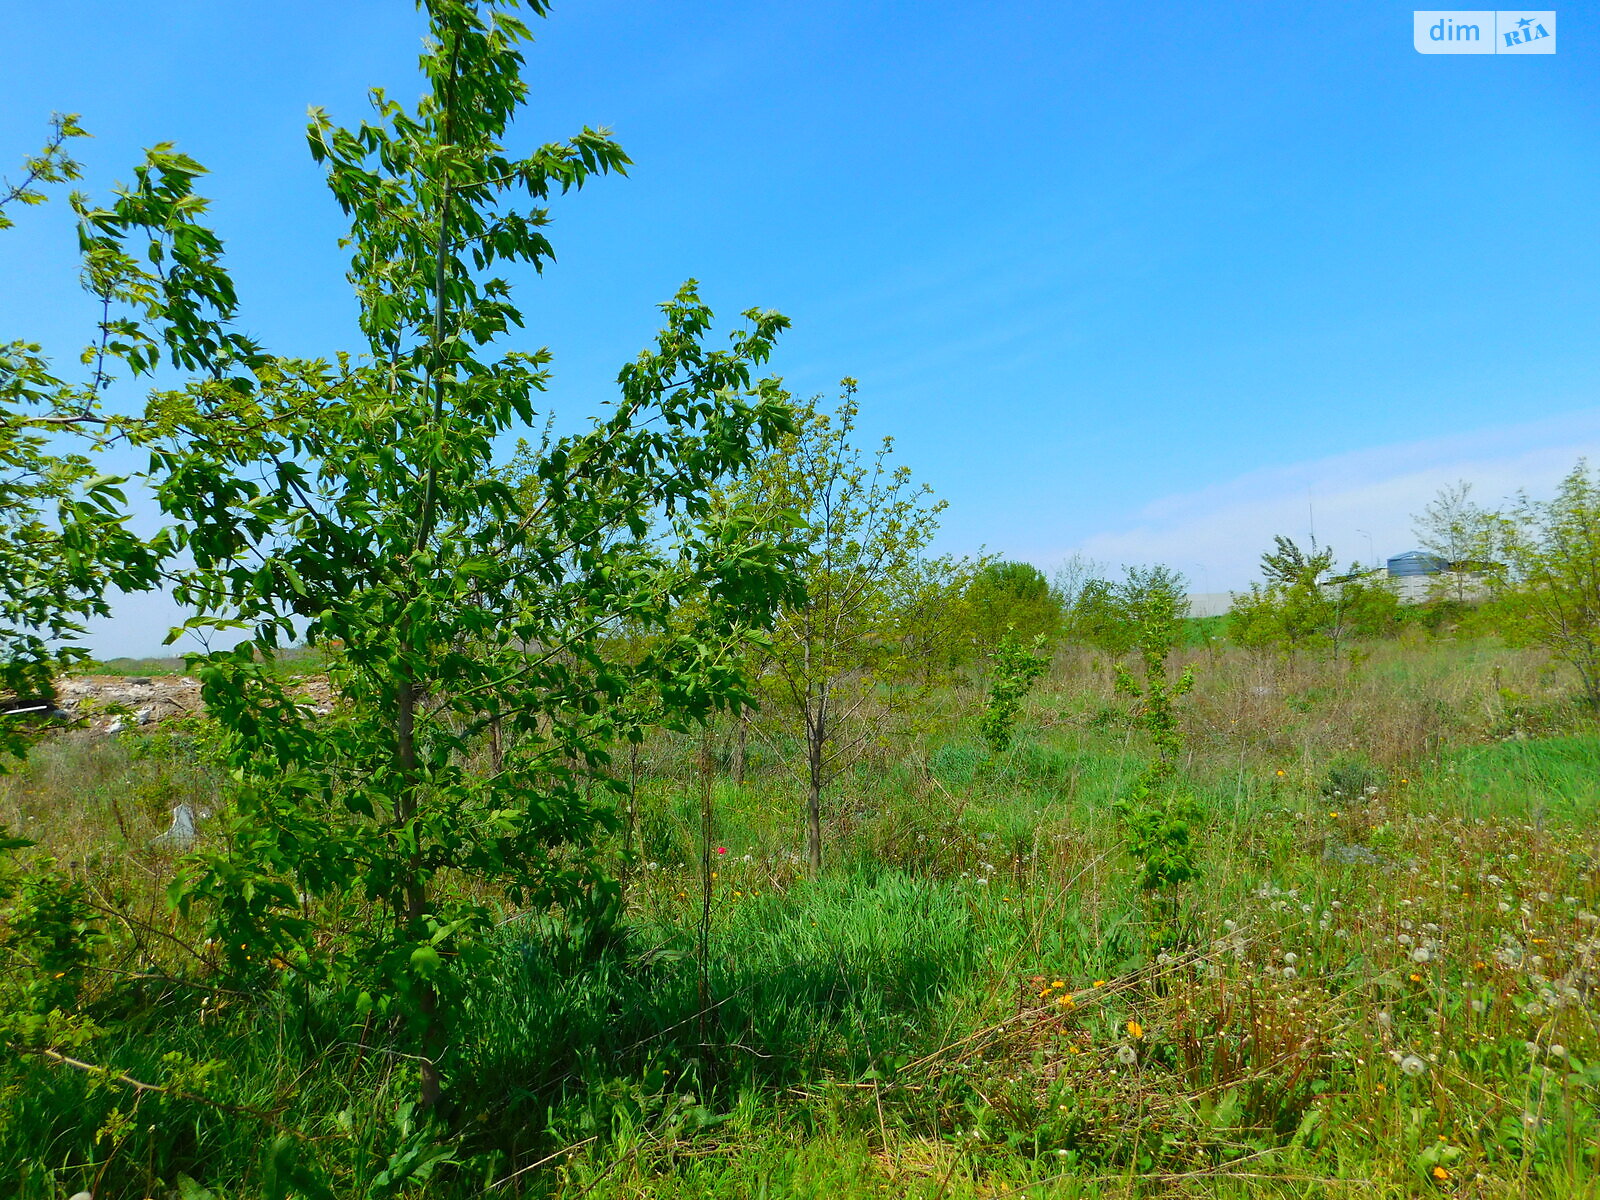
{"type": "Point", "coordinates": [1388, 986]}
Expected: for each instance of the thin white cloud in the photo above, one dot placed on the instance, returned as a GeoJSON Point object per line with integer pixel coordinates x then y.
{"type": "Point", "coordinates": [1363, 504]}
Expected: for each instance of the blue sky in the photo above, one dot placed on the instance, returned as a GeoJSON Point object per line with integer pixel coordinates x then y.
{"type": "Point", "coordinates": [1150, 281]}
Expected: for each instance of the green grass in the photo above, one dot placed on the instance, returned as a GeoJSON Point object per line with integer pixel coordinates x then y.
{"type": "Point", "coordinates": [1551, 779]}
{"type": "Point", "coordinates": [291, 661]}
{"type": "Point", "coordinates": [131, 667]}
{"type": "Point", "coordinates": [895, 1027]}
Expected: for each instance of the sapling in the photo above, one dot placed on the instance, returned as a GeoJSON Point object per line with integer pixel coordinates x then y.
{"type": "Point", "coordinates": [1158, 813]}
{"type": "Point", "coordinates": [1015, 669]}
{"type": "Point", "coordinates": [361, 503]}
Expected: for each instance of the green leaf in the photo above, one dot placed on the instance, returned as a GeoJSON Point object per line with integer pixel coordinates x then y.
{"type": "Point", "coordinates": [425, 962]}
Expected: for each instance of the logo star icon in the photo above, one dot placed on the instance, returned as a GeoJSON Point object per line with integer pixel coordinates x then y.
{"type": "Point", "coordinates": [1525, 22]}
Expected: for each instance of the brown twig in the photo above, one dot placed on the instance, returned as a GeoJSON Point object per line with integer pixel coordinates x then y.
{"type": "Point", "coordinates": [141, 1087]}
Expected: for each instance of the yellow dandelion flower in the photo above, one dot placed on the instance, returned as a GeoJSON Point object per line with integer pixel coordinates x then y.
{"type": "Point", "coordinates": [1281, 772]}
{"type": "Point", "coordinates": [1058, 984]}
{"type": "Point", "coordinates": [1099, 983]}
{"type": "Point", "coordinates": [1066, 1001]}
{"type": "Point", "coordinates": [1416, 978]}
{"type": "Point", "coordinates": [1135, 1030]}
{"type": "Point", "coordinates": [1441, 1174]}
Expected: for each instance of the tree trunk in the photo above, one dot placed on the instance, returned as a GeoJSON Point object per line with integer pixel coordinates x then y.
{"type": "Point", "coordinates": [816, 738]}
{"type": "Point", "coordinates": [814, 823]}
{"type": "Point", "coordinates": [631, 829]}
{"type": "Point", "coordinates": [707, 830]}
{"type": "Point", "coordinates": [741, 741]}
{"type": "Point", "coordinates": [416, 890]}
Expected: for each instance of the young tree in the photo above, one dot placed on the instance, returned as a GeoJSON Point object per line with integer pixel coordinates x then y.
{"type": "Point", "coordinates": [1013, 672]}
{"type": "Point", "coordinates": [1011, 597]}
{"type": "Point", "coordinates": [1074, 574]}
{"type": "Point", "coordinates": [1299, 608]}
{"type": "Point", "coordinates": [1108, 615]}
{"type": "Point", "coordinates": [834, 659]}
{"type": "Point", "coordinates": [1159, 814]}
{"type": "Point", "coordinates": [64, 541]}
{"type": "Point", "coordinates": [1550, 574]}
{"type": "Point", "coordinates": [1459, 531]}
{"type": "Point", "coordinates": [357, 504]}
{"type": "Point", "coordinates": [1287, 565]}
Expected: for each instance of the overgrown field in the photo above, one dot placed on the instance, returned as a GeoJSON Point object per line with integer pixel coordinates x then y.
{"type": "Point", "coordinates": [1384, 983]}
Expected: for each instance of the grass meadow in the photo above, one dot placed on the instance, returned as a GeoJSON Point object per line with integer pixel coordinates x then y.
{"type": "Point", "coordinates": [1385, 983]}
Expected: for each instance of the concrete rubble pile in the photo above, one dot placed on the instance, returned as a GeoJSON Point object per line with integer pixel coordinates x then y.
{"type": "Point", "coordinates": [110, 704]}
